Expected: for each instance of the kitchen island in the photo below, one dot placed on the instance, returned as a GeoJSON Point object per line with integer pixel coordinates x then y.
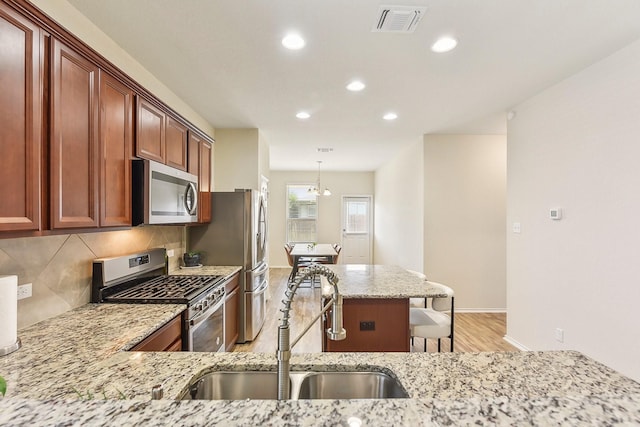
{"type": "Point", "coordinates": [375, 306]}
{"type": "Point", "coordinates": [74, 369]}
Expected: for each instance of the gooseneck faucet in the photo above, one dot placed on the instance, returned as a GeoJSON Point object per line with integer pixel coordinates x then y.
{"type": "Point", "coordinates": [336, 332]}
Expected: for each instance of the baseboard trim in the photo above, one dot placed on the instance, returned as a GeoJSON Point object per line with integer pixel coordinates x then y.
{"type": "Point", "coordinates": [515, 343]}
{"type": "Point", "coordinates": [481, 310]}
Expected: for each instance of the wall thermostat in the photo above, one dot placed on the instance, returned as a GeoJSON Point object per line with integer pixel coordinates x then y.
{"type": "Point", "coordinates": [555, 213]}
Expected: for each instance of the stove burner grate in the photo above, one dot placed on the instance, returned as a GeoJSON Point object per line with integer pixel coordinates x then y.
{"type": "Point", "coordinates": [167, 288]}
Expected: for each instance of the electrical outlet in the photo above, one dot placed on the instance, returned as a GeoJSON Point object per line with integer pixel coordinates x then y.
{"type": "Point", "coordinates": [170, 253]}
{"type": "Point", "coordinates": [559, 335]}
{"type": "Point", "coordinates": [24, 291]}
{"type": "Point", "coordinates": [368, 325]}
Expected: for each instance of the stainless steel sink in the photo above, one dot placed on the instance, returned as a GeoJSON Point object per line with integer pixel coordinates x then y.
{"type": "Point", "coordinates": [350, 385]}
{"type": "Point", "coordinates": [241, 385]}
{"type": "Point", "coordinates": [234, 386]}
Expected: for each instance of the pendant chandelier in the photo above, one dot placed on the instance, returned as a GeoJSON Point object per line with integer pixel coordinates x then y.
{"type": "Point", "coordinates": [315, 190]}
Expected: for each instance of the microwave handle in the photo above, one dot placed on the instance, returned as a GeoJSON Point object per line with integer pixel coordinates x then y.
{"type": "Point", "coordinates": [191, 188]}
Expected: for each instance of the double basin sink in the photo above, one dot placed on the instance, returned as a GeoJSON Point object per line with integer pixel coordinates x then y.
{"type": "Point", "coordinates": [240, 385]}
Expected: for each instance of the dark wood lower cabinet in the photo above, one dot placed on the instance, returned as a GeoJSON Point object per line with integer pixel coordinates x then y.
{"type": "Point", "coordinates": [167, 338]}
{"type": "Point", "coordinates": [372, 324]}
{"type": "Point", "coordinates": [231, 304]}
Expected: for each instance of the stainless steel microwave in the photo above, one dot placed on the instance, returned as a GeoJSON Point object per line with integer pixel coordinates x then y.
{"type": "Point", "coordinates": [162, 194]}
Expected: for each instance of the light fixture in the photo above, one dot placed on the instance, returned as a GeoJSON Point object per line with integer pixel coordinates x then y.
{"type": "Point", "coordinates": [293, 41]}
{"type": "Point", "coordinates": [444, 44]}
{"type": "Point", "coordinates": [315, 190]}
{"type": "Point", "coordinates": [303, 115]}
{"type": "Point", "coordinates": [390, 116]}
{"type": "Point", "coordinates": [356, 86]}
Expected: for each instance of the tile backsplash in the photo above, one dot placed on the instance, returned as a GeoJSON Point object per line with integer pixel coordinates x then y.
{"type": "Point", "coordinates": [59, 267]}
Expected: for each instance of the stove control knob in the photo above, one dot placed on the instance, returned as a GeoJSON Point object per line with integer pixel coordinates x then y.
{"type": "Point", "coordinates": [197, 307]}
{"type": "Point", "coordinates": [205, 303]}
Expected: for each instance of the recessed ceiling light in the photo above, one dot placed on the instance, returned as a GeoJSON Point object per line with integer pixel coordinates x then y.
{"type": "Point", "coordinates": [444, 44]}
{"type": "Point", "coordinates": [390, 116]}
{"type": "Point", "coordinates": [355, 86]}
{"type": "Point", "coordinates": [293, 41]}
{"type": "Point", "coordinates": [303, 115]}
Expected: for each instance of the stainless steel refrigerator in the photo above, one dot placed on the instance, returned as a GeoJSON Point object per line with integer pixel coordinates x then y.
{"type": "Point", "coordinates": [237, 235]}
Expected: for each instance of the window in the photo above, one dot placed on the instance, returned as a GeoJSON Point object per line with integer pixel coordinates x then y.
{"type": "Point", "coordinates": [302, 214]}
{"type": "Point", "coordinates": [356, 215]}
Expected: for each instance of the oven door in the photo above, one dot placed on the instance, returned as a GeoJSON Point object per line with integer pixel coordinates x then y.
{"type": "Point", "coordinates": [206, 330]}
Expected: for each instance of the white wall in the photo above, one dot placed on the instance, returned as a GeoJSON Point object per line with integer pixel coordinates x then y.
{"type": "Point", "coordinates": [241, 159]}
{"type": "Point", "coordinates": [329, 207]}
{"type": "Point", "coordinates": [465, 217]}
{"type": "Point", "coordinates": [576, 146]}
{"type": "Point", "coordinates": [236, 159]}
{"type": "Point", "coordinates": [399, 210]}
{"type": "Point", "coordinates": [69, 17]}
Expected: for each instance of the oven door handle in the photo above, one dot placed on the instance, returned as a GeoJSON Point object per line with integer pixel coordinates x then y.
{"type": "Point", "coordinates": [203, 315]}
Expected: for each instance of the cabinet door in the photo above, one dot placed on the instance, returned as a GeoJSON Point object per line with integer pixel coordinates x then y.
{"type": "Point", "coordinates": [116, 138]}
{"type": "Point", "coordinates": [150, 128]}
{"type": "Point", "coordinates": [193, 154]}
{"type": "Point", "coordinates": [20, 122]}
{"type": "Point", "coordinates": [176, 144]}
{"type": "Point", "coordinates": [74, 139]}
{"type": "Point", "coordinates": [204, 213]}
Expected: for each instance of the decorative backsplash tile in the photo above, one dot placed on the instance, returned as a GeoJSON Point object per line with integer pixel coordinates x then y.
{"type": "Point", "coordinates": [60, 266]}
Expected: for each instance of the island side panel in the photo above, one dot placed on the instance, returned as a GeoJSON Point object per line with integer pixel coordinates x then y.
{"type": "Point", "coordinates": [388, 317]}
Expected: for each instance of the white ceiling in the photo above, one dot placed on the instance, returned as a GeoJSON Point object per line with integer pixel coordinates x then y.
{"type": "Point", "coordinates": [224, 58]}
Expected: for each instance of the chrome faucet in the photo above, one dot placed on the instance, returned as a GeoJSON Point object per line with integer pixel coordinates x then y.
{"type": "Point", "coordinates": [336, 332]}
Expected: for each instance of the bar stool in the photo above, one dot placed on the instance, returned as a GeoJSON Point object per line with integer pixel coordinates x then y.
{"type": "Point", "coordinates": [431, 323]}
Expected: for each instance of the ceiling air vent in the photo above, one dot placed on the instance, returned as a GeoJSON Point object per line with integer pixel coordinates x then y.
{"type": "Point", "coordinates": [398, 19]}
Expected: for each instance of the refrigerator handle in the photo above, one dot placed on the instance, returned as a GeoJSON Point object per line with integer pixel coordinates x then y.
{"type": "Point", "coordinates": [261, 269]}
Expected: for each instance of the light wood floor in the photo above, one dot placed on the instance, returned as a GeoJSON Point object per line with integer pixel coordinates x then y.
{"type": "Point", "coordinates": [473, 331]}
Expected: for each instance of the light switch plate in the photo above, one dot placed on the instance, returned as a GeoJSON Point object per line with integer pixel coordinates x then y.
{"type": "Point", "coordinates": [170, 253]}
{"type": "Point", "coordinates": [516, 227]}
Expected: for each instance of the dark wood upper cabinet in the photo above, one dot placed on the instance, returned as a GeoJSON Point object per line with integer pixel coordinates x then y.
{"type": "Point", "coordinates": [74, 139]}
{"type": "Point", "coordinates": [69, 127]}
{"type": "Point", "coordinates": [150, 128]}
{"type": "Point", "coordinates": [176, 144]}
{"type": "Point", "coordinates": [20, 122]}
{"type": "Point", "coordinates": [116, 145]}
{"type": "Point", "coordinates": [160, 137]}
{"type": "Point", "coordinates": [193, 160]}
{"type": "Point", "coordinates": [204, 179]}
{"type": "Point", "coordinates": [200, 165]}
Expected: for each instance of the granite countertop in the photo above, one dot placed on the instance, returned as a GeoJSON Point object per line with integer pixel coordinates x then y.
{"type": "Point", "coordinates": [379, 281]}
{"type": "Point", "coordinates": [82, 352]}
{"type": "Point", "coordinates": [207, 270]}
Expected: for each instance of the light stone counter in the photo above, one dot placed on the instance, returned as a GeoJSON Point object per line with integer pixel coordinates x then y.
{"type": "Point", "coordinates": [379, 281]}
{"type": "Point", "coordinates": [82, 352]}
{"type": "Point", "coordinates": [206, 270]}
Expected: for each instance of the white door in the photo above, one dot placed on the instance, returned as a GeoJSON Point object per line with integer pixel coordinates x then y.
{"type": "Point", "coordinates": [357, 238]}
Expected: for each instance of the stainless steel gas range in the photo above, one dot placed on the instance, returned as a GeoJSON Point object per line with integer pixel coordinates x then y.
{"type": "Point", "coordinates": [141, 279]}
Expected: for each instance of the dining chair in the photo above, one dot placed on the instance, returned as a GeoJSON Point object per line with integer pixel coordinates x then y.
{"type": "Point", "coordinates": [434, 322]}
{"type": "Point", "coordinates": [302, 263]}
{"type": "Point", "coordinates": [338, 248]}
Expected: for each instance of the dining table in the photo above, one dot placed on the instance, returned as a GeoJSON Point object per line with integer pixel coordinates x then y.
{"type": "Point", "coordinates": [320, 252]}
